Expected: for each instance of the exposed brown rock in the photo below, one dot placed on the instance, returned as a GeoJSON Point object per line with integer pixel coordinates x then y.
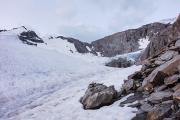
{"type": "Point", "coordinates": [160, 72]}
{"type": "Point", "coordinates": [98, 95]}
{"type": "Point", "coordinates": [155, 78]}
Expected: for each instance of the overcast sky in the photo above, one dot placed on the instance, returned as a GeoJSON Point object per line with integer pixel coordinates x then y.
{"type": "Point", "coordinates": [86, 20]}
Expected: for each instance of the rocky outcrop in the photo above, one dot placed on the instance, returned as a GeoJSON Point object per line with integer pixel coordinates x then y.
{"type": "Point", "coordinates": [98, 95]}
{"type": "Point", "coordinates": [30, 37]}
{"type": "Point", "coordinates": [163, 39]}
{"type": "Point", "coordinates": [158, 81]}
{"type": "Point", "coordinates": [81, 47]}
{"type": "Point", "coordinates": [126, 41]}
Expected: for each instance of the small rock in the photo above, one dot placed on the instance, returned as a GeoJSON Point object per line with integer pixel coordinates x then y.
{"type": "Point", "coordinates": [128, 85]}
{"type": "Point", "coordinates": [137, 75]}
{"type": "Point", "coordinates": [158, 97]}
{"type": "Point", "coordinates": [160, 88]}
{"type": "Point", "coordinates": [159, 112]}
{"type": "Point", "coordinates": [176, 87]}
{"type": "Point", "coordinates": [98, 95]}
{"type": "Point", "coordinates": [168, 119]}
{"type": "Point", "coordinates": [146, 107]}
{"type": "Point", "coordinates": [176, 95]}
{"type": "Point", "coordinates": [168, 55]}
{"type": "Point", "coordinates": [171, 80]}
{"type": "Point", "coordinates": [157, 78]}
{"type": "Point", "coordinates": [177, 44]}
{"type": "Point", "coordinates": [136, 105]}
{"type": "Point", "coordinates": [133, 98]}
{"type": "Point", "coordinates": [140, 116]}
{"type": "Point", "coordinates": [177, 115]}
{"type": "Point", "coordinates": [148, 88]}
{"type": "Point", "coordinates": [159, 62]}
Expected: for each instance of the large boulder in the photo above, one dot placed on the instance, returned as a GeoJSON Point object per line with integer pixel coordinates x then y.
{"type": "Point", "coordinates": [98, 95]}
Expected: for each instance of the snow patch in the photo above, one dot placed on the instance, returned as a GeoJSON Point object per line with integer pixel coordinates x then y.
{"type": "Point", "coordinates": [143, 42]}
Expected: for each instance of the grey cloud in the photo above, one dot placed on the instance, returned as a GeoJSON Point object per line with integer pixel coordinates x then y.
{"type": "Point", "coordinates": [84, 19]}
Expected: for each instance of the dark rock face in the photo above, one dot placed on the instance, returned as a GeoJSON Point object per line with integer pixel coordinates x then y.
{"type": "Point", "coordinates": [30, 38]}
{"type": "Point", "coordinates": [80, 46]}
{"type": "Point", "coordinates": [98, 95]}
{"type": "Point", "coordinates": [159, 76]}
{"type": "Point", "coordinates": [120, 63]}
{"type": "Point", "coordinates": [126, 41]}
{"type": "Point", "coordinates": [162, 40]}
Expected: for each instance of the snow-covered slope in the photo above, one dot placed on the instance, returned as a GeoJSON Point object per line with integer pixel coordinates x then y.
{"type": "Point", "coordinates": [45, 82]}
{"type": "Point", "coordinates": [166, 21]}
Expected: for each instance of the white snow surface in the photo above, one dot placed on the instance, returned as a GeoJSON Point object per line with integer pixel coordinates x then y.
{"type": "Point", "coordinates": [169, 20]}
{"type": "Point", "coordinates": [143, 42]}
{"type": "Point", "coordinates": [46, 82]}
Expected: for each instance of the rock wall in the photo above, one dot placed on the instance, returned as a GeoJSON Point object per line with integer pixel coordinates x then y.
{"type": "Point", "coordinates": [126, 41]}
{"type": "Point", "coordinates": [160, 41]}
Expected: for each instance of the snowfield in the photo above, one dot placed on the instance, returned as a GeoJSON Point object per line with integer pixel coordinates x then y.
{"type": "Point", "coordinates": [47, 81]}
